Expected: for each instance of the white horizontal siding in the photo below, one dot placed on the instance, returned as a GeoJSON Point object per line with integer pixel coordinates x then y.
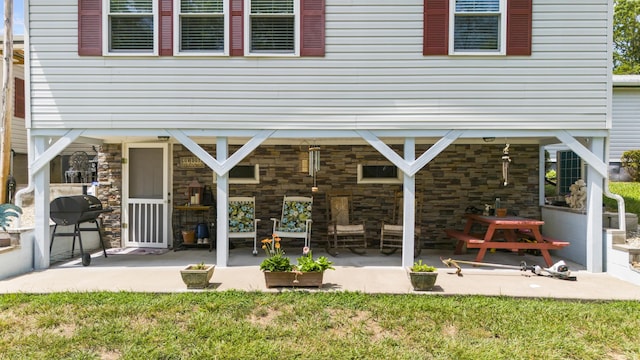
{"type": "Point", "coordinates": [373, 76]}
{"type": "Point", "coordinates": [625, 132]}
{"type": "Point", "coordinates": [18, 130]}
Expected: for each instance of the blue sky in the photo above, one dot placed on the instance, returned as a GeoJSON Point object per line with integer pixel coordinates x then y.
{"type": "Point", "coordinates": [18, 17]}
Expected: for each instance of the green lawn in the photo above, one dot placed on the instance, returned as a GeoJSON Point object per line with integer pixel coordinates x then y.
{"type": "Point", "coordinates": [304, 325]}
{"type": "Point", "coordinates": [630, 192]}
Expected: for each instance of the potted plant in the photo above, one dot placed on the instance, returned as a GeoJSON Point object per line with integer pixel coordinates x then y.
{"type": "Point", "coordinates": [197, 276]}
{"type": "Point", "coordinates": [423, 277]}
{"type": "Point", "coordinates": [7, 211]}
{"type": "Point", "coordinates": [279, 271]}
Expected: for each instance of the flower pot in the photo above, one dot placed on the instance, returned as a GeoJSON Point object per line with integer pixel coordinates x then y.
{"type": "Point", "coordinates": [188, 236]}
{"type": "Point", "coordinates": [291, 278]}
{"type": "Point", "coordinates": [501, 212]}
{"type": "Point", "coordinates": [423, 281]}
{"type": "Point", "coordinates": [197, 278]}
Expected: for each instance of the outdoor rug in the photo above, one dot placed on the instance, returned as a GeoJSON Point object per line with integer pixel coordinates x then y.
{"type": "Point", "coordinates": [136, 251]}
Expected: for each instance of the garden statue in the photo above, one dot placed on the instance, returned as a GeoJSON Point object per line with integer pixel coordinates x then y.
{"type": "Point", "coordinates": [578, 197]}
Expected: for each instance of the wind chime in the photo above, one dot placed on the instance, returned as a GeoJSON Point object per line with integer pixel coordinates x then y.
{"type": "Point", "coordinates": [505, 165]}
{"type": "Point", "coordinates": [314, 164]}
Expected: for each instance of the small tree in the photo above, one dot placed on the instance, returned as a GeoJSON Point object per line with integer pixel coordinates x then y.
{"type": "Point", "coordinates": [630, 161]}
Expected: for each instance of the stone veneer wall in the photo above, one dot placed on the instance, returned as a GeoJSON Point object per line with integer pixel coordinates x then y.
{"type": "Point", "coordinates": [461, 176]}
{"type": "Point", "coordinates": [110, 191]}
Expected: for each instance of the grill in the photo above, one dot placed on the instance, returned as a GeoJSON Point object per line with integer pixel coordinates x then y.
{"type": "Point", "coordinates": [76, 210]}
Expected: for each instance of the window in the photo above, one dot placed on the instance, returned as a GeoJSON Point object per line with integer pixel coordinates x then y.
{"type": "Point", "coordinates": [477, 26]}
{"type": "Point", "coordinates": [18, 99]}
{"type": "Point", "coordinates": [243, 174]}
{"type": "Point", "coordinates": [202, 26]}
{"type": "Point", "coordinates": [130, 25]}
{"type": "Point", "coordinates": [570, 169]}
{"type": "Point", "coordinates": [271, 27]}
{"type": "Point", "coordinates": [379, 174]}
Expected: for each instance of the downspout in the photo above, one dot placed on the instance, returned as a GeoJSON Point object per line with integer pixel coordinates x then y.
{"type": "Point", "coordinates": [30, 186]}
{"type": "Point", "coordinates": [622, 224]}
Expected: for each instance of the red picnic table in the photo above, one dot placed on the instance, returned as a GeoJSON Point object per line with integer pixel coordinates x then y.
{"type": "Point", "coordinates": [504, 233]}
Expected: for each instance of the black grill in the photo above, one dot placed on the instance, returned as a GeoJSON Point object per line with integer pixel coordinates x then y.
{"type": "Point", "coordinates": [75, 210]}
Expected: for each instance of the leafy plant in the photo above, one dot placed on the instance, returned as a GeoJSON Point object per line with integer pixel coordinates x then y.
{"type": "Point", "coordinates": [630, 160]}
{"type": "Point", "coordinates": [418, 266]}
{"type": "Point", "coordinates": [276, 259]}
{"type": "Point", "coordinates": [307, 264]}
{"type": "Point", "coordinates": [7, 211]}
{"type": "Point", "coordinates": [200, 266]}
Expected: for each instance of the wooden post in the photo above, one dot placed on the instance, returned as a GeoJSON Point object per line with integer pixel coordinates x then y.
{"type": "Point", "coordinates": [7, 99]}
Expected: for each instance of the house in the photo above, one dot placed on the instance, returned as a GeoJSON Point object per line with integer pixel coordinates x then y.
{"type": "Point", "coordinates": [418, 96]}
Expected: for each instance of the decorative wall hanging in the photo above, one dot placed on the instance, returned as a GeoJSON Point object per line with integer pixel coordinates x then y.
{"type": "Point", "coordinates": [505, 165]}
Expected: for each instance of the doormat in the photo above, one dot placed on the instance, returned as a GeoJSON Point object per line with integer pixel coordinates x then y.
{"type": "Point", "coordinates": [136, 251]}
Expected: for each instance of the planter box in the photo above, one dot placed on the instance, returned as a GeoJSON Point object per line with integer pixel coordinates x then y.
{"type": "Point", "coordinates": [423, 281]}
{"type": "Point", "coordinates": [197, 278]}
{"type": "Point", "coordinates": [290, 278]}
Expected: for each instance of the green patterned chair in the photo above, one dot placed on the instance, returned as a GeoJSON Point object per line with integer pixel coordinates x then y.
{"type": "Point", "coordinates": [242, 219]}
{"type": "Point", "coordinates": [295, 221]}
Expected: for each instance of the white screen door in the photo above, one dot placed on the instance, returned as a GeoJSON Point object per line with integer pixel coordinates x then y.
{"type": "Point", "coordinates": [146, 185]}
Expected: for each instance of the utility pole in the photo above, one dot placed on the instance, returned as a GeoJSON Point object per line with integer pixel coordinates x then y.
{"type": "Point", "coordinates": [7, 99]}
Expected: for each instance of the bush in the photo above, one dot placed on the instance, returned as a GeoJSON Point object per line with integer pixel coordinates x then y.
{"type": "Point", "coordinates": [630, 161]}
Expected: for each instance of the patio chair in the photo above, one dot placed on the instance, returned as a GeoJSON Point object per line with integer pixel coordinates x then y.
{"type": "Point", "coordinates": [341, 232]}
{"type": "Point", "coordinates": [295, 221]}
{"type": "Point", "coordinates": [242, 220]}
{"type": "Point", "coordinates": [391, 232]}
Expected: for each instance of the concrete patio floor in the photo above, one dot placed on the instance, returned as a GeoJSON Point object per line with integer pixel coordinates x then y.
{"type": "Point", "coordinates": [370, 273]}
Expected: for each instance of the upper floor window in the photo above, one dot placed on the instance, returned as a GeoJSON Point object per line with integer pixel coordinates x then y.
{"type": "Point", "coordinates": [478, 26]}
{"type": "Point", "coordinates": [202, 25]}
{"type": "Point", "coordinates": [271, 27]}
{"type": "Point", "coordinates": [131, 26]}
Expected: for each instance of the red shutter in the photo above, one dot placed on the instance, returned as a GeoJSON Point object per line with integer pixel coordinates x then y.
{"type": "Point", "coordinates": [89, 27]}
{"type": "Point", "coordinates": [312, 28]}
{"type": "Point", "coordinates": [519, 27]}
{"type": "Point", "coordinates": [236, 31]}
{"type": "Point", "coordinates": [18, 105]}
{"type": "Point", "coordinates": [166, 28]}
{"type": "Point", "coordinates": [436, 27]}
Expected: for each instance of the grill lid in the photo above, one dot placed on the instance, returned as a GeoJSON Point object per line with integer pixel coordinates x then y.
{"type": "Point", "coordinates": [69, 210]}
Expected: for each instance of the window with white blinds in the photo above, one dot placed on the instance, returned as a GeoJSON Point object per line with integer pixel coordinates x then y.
{"type": "Point", "coordinates": [478, 25]}
{"type": "Point", "coordinates": [131, 26]}
{"type": "Point", "coordinates": [272, 26]}
{"type": "Point", "coordinates": [202, 26]}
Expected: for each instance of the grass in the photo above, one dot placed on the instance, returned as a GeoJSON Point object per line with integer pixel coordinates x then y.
{"type": "Point", "coordinates": [630, 192]}
{"type": "Point", "coordinates": [323, 325]}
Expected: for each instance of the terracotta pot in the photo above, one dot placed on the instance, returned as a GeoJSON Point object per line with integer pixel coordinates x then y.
{"type": "Point", "coordinates": [501, 212]}
{"type": "Point", "coordinates": [293, 279]}
{"type": "Point", "coordinates": [188, 236]}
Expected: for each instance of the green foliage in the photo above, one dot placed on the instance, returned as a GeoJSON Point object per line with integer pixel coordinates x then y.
{"type": "Point", "coordinates": [630, 161]}
{"type": "Point", "coordinates": [418, 266]}
{"type": "Point", "coordinates": [276, 259]}
{"type": "Point", "coordinates": [626, 37]}
{"type": "Point", "coordinates": [307, 264]}
{"type": "Point", "coordinates": [7, 211]}
{"type": "Point", "coordinates": [200, 266]}
{"type": "Point", "coordinates": [313, 325]}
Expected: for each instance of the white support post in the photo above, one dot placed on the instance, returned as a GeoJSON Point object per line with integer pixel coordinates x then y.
{"type": "Point", "coordinates": [222, 204]}
{"type": "Point", "coordinates": [595, 181]}
{"type": "Point", "coordinates": [409, 204]}
{"type": "Point", "coordinates": [41, 204]}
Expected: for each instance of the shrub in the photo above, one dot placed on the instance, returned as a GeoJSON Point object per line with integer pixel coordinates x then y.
{"type": "Point", "coordinates": [630, 161]}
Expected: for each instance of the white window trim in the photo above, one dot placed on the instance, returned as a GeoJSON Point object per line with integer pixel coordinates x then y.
{"type": "Point", "coordinates": [254, 180]}
{"type": "Point", "coordinates": [362, 180]}
{"type": "Point", "coordinates": [247, 34]}
{"type": "Point", "coordinates": [176, 33]}
{"type": "Point", "coordinates": [106, 32]}
{"type": "Point", "coordinates": [503, 33]}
